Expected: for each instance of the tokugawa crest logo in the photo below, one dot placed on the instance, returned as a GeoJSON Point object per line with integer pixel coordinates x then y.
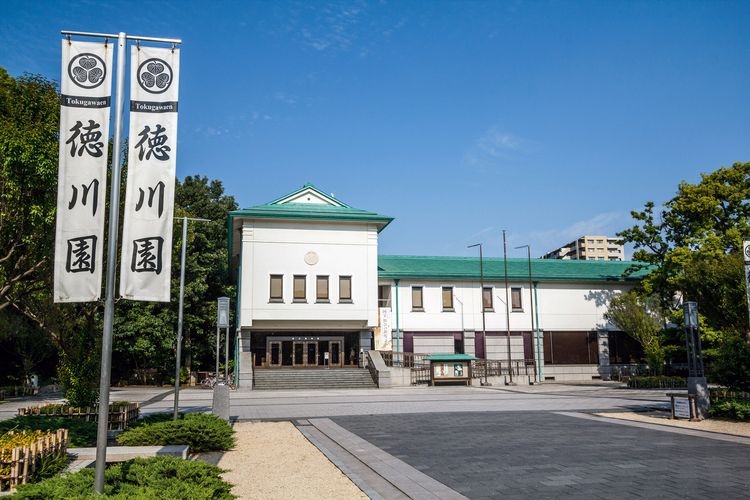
{"type": "Point", "coordinates": [87, 70]}
{"type": "Point", "coordinates": [154, 76]}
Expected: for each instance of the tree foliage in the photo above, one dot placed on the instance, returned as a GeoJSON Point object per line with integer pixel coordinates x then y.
{"type": "Point", "coordinates": [694, 243]}
{"type": "Point", "coordinates": [642, 321]}
{"type": "Point", "coordinates": [29, 122]}
{"type": "Point", "coordinates": [146, 332]}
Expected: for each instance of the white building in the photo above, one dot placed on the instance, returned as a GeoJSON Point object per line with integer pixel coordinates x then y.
{"type": "Point", "coordinates": [589, 247]}
{"type": "Point", "coordinates": [313, 291]}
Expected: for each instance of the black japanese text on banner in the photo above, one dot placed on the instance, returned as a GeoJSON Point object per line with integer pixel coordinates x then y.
{"type": "Point", "coordinates": [85, 90]}
{"type": "Point", "coordinates": [149, 199]}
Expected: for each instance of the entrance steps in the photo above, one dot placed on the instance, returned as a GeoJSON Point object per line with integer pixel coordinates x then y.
{"type": "Point", "coordinates": [313, 378]}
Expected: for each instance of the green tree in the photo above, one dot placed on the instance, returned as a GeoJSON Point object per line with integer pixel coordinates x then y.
{"type": "Point", "coordinates": [29, 123]}
{"type": "Point", "coordinates": [642, 320]}
{"type": "Point", "coordinates": [694, 244]}
{"type": "Point", "coordinates": [146, 332]}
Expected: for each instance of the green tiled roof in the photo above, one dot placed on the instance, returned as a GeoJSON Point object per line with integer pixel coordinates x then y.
{"type": "Point", "coordinates": [449, 268]}
{"type": "Point", "coordinates": [311, 211]}
{"type": "Point", "coordinates": [451, 357]}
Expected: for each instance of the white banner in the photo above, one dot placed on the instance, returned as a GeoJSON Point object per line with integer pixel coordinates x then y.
{"type": "Point", "coordinates": [149, 200]}
{"type": "Point", "coordinates": [85, 89]}
{"type": "Point", "coordinates": [383, 336]}
{"type": "Point", "coordinates": [746, 256]}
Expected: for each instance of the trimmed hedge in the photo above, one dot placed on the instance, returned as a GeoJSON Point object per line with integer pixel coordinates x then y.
{"type": "Point", "coordinates": [657, 382]}
{"type": "Point", "coordinates": [200, 431]}
{"type": "Point", "coordinates": [80, 432]}
{"type": "Point", "coordinates": [142, 478]}
{"type": "Point", "coordinates": [733, 409]}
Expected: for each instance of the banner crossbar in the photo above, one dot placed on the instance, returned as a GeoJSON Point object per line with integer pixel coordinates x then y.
{"type": "Point", "coordinates": [128, 37]}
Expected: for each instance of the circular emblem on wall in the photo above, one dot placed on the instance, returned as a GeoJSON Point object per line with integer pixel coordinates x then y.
{"type": "Point", "coordinates": [154, 76]}
{"type": "Point", "coordinates": [747, 253]}
{"type": "Point", "coordinates": [87, 70]}
{"type": "Point", "coordinates": [311, 258]}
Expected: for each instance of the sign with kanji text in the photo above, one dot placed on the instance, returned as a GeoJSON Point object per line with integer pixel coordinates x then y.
{"type": "Point", "coordinates": [85, 91]}
{"type": "Point", "coordinates": [145, 267]}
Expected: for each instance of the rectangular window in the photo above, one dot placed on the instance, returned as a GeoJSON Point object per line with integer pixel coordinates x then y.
{"type": "Point", "coordinates": [384, 295]}
{"type": "Point", "coordinates": [277, 288]}
{"type": "Point", "coordinates": [416, 299]}
{"type": "Point", "coordinates": [447, 298]}
{"type": "Point", "coordinates": [515, 299]}
{"type": "Point", "coordinates": [487, 298]}
{"type": "Point", "coordinates": [321, 289]}
{"type": "Point", "coordinates": [345, 288]}
{"type": "Point", "coordinates": [300, 282]}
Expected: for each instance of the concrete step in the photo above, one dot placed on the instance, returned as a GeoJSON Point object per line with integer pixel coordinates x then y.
{"type": "Point", "coordinates": [85, 457]}
{"type": "Point", "coordinates": [289, 378]}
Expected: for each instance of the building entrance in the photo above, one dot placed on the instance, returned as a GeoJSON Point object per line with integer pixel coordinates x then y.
{"type": "Point", "coordinates": [306, 352]}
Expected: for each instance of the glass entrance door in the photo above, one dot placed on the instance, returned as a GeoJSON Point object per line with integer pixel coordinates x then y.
{"type": "Point", "coordinates": [336, 359]}
{"type": "Point", "coordinates": [298, 357]}
{"type": "Point", "coordinates": [274, 354]}
{"type": "Point", "coordinates": [311, 354]}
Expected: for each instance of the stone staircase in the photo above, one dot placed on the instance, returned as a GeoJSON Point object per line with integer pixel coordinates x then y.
{"type": "Point", "coordinates": [299, 378]}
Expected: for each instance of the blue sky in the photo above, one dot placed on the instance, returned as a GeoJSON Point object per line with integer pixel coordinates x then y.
{"type": "Point", "coordinates": [549, 119]}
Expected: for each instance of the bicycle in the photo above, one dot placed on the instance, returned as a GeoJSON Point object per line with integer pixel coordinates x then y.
{"type": "Point", "coordinates": [209, 382]}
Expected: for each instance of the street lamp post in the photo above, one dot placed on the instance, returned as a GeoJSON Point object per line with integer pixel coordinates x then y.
{"type": "Point", "coordinates": [697, 383]}
{"type": "Point", "coordinates": [481, 301]}
{"type": "Point", "coordinates": [507, 309]}
{"type": "Point", "coordinates": [531, 302]}
{"type": "Point", "coordinates": [179, 314]}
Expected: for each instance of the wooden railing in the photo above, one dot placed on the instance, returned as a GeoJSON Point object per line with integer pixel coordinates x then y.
{"type": "Point", "coordinates": [721, 394]}
{"type": "Point", "coordinates": [120, 414]}
{"type": "Point", "coordinates": [20, 465]}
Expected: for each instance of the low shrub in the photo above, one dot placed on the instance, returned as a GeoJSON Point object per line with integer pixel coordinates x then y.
{"type": "Point", "coordinates": [733, 409]}
{"type": "Point", "coordinates": [200, 431]}
{"type": "Point", "coordinates": [142, 478]}
{"type": "Point", "coordinates": [657, 382]}
{"type": "Point", "coordinates": [81, 433]}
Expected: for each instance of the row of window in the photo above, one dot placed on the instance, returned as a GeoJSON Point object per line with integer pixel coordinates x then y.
{"type": "Point", "coordinates": [299, 288]}
{"type": "Point", "coordinates": [417, 302]}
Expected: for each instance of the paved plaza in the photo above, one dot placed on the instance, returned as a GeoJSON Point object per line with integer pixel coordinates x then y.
{"type": "Point", "coordinates": [512, 442]}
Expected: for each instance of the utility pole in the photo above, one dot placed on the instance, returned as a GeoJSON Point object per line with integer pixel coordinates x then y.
{"type": "Point", "coordinates": [179, 314]}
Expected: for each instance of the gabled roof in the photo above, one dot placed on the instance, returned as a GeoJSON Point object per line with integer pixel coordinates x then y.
{"type": "Point", "coordinates": [452, 268]}
{"type": "Point", "coordinates": [310, 203]}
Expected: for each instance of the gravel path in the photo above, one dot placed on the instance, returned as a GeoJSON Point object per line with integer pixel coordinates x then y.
{"type": "Point", "coordinates": [273, 460]}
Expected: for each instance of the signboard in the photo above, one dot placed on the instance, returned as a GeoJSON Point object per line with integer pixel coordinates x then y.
{"type": "Point", "coordinates": [681, 408]}
{"type": "Point", "coordinates": [449, 369]}
{"type": "Point", "coordinates": [746, 257]}
{"type": "Point", "coordinates": [383, 335]}
{"type": "Point", "coordinates": [146, 263]}
{"type": "Point", "coordinates": [85, 90]}
{"type": "Point", "coordinates": [222, 312]}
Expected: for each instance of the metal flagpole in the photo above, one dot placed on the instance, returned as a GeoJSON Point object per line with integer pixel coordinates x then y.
{"type": "Point", "coordinates": [109, 303]}
{"type": "Point", "coordinates": [179, 315]}
{"type": "Point", "coordinates": [507, 307]}
{"type": "Point", "coordinates": [114, 213]}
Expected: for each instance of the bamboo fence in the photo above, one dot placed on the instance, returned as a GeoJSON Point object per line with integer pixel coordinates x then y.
{"type": "Point", "coordinates": [25, 461]}
{"type": "Point", "coordinates": [120, 415]}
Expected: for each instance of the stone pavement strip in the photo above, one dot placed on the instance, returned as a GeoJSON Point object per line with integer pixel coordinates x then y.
{"type": "Point", "coordinates": [377, 473]}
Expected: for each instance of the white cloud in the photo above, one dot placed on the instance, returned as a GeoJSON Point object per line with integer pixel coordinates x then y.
{"type": "Point", "coordinates": [492, 147]}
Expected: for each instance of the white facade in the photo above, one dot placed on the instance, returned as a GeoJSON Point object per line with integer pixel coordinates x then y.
{"type": "Point", "coordinates": [310, 249]}
{"type": "Point", "coordinates": [312, 235]}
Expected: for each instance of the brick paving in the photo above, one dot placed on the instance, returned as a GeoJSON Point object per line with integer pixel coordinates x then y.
{"type": "Point", "coordinates": [551, 455]}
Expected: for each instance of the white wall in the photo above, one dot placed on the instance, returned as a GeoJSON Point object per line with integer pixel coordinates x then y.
{"type": "Point", "coordinates": [561, 306]}
{"type": "Point", "coordinates": [433, 345]}
{"type": "Point", "coordinates": [275, 246]}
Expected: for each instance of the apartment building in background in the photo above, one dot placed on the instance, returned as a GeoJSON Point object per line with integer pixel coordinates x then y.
{"type": "Point", "coordinates": [589, 248]}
